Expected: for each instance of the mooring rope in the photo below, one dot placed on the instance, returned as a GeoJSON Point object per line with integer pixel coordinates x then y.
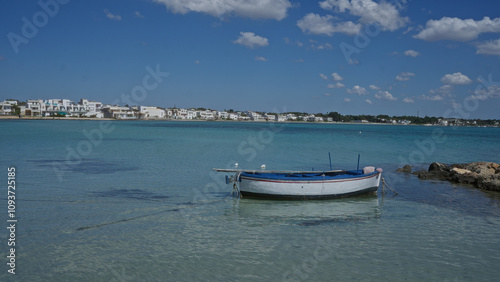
{"type": "Point", "coordinates": [170, 209]}
{"type": "Point", "coordinates": [236, 187]}
{"type": "Point", "coordinates": [233, 192]}
{"type": "Point", "coordinates": [384, 183]}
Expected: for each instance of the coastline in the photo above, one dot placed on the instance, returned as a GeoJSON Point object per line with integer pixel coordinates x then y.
{"type": "Point", "coordinates": [49, 118]}
{"type": "Point", "coordinates": [183, 120]}
{"type": "Point", "coordinates": [10, 117]}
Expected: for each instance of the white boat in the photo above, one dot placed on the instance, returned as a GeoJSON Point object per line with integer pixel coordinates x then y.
{"type": "Point", "coordinates": [305, 184]}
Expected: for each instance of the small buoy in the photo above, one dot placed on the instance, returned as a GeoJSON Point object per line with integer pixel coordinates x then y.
{"type": "Point", "coordinates": [236, 165]}
{"type": "Point", "coordinates": [263, 167]}
{"type": "Point", "coordinates": [360, 132]}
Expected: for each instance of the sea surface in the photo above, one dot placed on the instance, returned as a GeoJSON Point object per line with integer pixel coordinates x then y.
{"type": "Point", "coordinates": [139, 201]}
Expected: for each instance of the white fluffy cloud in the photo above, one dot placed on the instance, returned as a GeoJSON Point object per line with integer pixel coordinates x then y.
{"type": "Point", "coordinates": [337, 77]}
{"type": "Point", "coordinates": [347, 100]}
{"type": "Point", "coordinates": [384, 13]}
{"type": "Point", "coordinates": [385, 95]}
{"type": "Point", "coordinates": [260, 58]}
{"type": "Point", "coordinates": [444, 89]}
{"type": "Point", "coordinates": [357, 90]}
{"type": "Point", "coordinates": [432, 98]}
{"type": "Point", "coordinates": [316, 24]}
{"type": "Point", "coordinates": [482, 94]}
{"type": "Point", "coordinates": [320, 46]}
{"type": "Point", "coordinates": [255, 9]}
{"type": "Point", "coordinates": [323, 76]}
{"type": "Point", "coordinates": [374, 87]}
{"type": "Point", "coordinates": [489, 47]}
{"type": "Point", "coordinates": [112, 16]}
{"type": "Point", "coordinates": [138, 14]}
{"type": "Point", "coordinates": [457, 29]}
{"type": "Point", "coordinates": [411, 53]}
{"type": "Point", "coordinates": [404, 76]}
{"type": "Point", "coordinates": [251, 40]}
{"type": "Point", "coordinates": [408, 100]}
{"type": "Point", "coordinates": [336, 85]}
{"type": "Point", "coordinates": [369, 101]}
{"type": "Point", "coordinates": [456, 79]}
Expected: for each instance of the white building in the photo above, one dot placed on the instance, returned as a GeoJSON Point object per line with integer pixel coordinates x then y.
{"type": "Point", "coordinates": [291, 117]}
{"type": "Point", "coordinates": [206, 115]}
{"type": "Point", "coordinates": [183, 113]}
{"type": "Point", "coordinates": [169, 113]}
{"type": "Point", "coordinates": [310, 118]}
{"type": "Point", "coordinates": [280, 118]}
{"type": "Point", "coordinates": [118, 112]}
{"type": "Point", "coordinates": [151, 112]}
{"type": "Point", "coordinates": [443, 122]}
{"type": "Point", "coordinates": [222, 115]}
{"type": "Point", "coordinates": [34, 108]}
{"type": "Point", "coordinates": [270, 117]}
{"type": "Point", "coordinates": [180, 113]}
{"type": "Point", "coordinates": [65, 107]}
{"type": "Point", "coordinates": [92, 108]}
{"type": "Point", "coordinates": [255, 116]}
{"type": "Point", "coordinates": [191, 114]}
{"type": "Point", "coordinates": [7, 107]}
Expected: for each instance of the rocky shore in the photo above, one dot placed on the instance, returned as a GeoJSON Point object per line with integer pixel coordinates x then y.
{"type": "Point", "coordinates": [483, 175]}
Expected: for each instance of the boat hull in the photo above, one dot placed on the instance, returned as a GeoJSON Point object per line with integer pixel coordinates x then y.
{"type": "Point", "coordinates": [325, 188]}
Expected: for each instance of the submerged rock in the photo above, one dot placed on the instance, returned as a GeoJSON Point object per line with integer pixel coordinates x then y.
{"type": "Point", "coordinates": [483, 175]}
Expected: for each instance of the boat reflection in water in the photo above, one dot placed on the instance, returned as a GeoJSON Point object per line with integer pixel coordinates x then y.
{"type": "Point", "coordinates": [313, 212]}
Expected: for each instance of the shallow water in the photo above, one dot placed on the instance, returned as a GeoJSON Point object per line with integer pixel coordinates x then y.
{"type": "Point", "coordinates": [141, 202]}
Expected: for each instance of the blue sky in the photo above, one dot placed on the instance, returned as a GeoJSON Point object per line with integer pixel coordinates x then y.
{"type": "Point", "coordinates": [436, 58]}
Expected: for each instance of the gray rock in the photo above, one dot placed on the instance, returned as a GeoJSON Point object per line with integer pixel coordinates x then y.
{"type": "Point", "coordinates": [483, 175]}
{"type": "Point", "coordinates": [490, 184]}
{"type": "Point", "coordinates": [405, 169]}
{"type": "Point", "coordinates": [460, 175]}
{"type": "Point", "coordinates": [435, 166]}
{"type": "Point", "coordinates": [437, 171]}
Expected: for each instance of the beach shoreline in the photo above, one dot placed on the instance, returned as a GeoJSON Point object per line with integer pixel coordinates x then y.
{"type": "Point", "coordinates": [10, 117]}
{"type": "Point", "coordinates": [6, 117]}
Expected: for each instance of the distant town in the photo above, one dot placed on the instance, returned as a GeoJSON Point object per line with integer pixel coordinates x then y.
{"type": "Point", "coordinates": [64, 108]}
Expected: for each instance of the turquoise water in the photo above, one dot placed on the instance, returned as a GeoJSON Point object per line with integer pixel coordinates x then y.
{"type": "Point", "coordinates": [133, 200]}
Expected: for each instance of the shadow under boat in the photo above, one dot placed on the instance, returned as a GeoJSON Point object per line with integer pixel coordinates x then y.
{"type": "Point", "coordinates": [311, 213]}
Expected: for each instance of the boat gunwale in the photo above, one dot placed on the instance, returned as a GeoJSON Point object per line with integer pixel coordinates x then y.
{"type": "Point", "coordinates": [282, 178]}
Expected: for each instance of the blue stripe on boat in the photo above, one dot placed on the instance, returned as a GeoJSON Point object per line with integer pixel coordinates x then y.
{"type": "Point", "coordinates": [349, 174]}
